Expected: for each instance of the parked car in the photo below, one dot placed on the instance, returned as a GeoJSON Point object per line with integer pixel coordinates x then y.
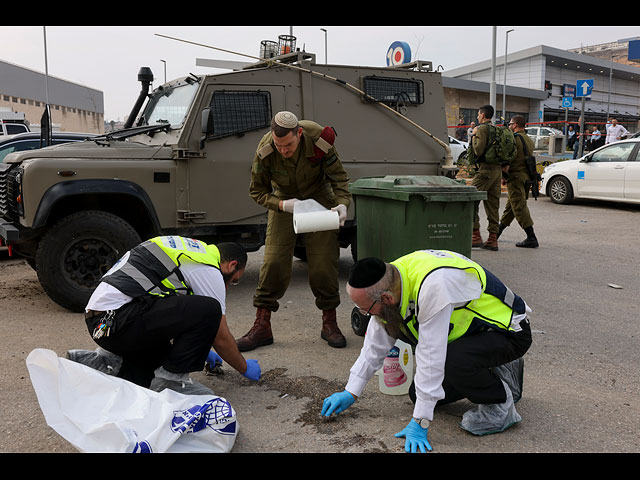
{"type": "Point", "coordinates": [31, 141]}
{"type": "Point", "coordinates": [458, 148]}
{"type": "Point", "coordinates": [8, 128]}
{"type": "Point", "coordinates": [540, 136]}
{"type": "Point", "coordinates": [612, 172]}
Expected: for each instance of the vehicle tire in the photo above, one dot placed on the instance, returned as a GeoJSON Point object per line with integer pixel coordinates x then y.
{"type": "Point", "coordinates": [77, 251]}
{"type": "Point", "coordinates": [560, 190]}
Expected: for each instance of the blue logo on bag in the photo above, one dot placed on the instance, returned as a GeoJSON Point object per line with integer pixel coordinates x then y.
{"type": "Point", "coordinates": [216, 414]}
{"type": "Point", "coordinates": [142, 447]}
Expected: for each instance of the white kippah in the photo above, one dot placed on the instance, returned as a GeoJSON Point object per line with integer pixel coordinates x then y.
{"type": "Point", "coordinates": [286, 120]}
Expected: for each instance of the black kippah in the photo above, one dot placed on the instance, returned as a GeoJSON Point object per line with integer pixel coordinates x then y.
{"type": "Point", "coordinates": [366, 272]}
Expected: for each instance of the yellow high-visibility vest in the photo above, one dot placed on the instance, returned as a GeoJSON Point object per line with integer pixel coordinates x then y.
{"type": "Point", "coordinates": [152, 266]}
{"type": "Point", "coordinates": [494, 309]}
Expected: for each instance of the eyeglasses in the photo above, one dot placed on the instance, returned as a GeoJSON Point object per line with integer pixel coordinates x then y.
{"type": "Point", "coordinates": [367, 312]}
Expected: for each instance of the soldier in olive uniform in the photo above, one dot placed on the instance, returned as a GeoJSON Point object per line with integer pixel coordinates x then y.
{"type": "Point", "coordinates": [296, 160]}
{"type": "Point", "coordinates": [517, 186]}
{"type": "Point", "coordinates": [487, 179]}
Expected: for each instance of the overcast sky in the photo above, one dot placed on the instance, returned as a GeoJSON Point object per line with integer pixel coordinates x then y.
{"type": "Point", "coordinates": [108, 58]}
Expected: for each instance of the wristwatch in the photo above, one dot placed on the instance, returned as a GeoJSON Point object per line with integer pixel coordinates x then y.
{"type": "Point", "coordinates": [423, 422]}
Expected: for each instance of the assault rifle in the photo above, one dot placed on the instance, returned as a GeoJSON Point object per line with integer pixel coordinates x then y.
{"type": "Point", "coordinates": [534, 176]}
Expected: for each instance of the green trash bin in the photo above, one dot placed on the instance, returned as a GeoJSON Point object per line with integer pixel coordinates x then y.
{"type": "Point", "coordinates": [397, 215]}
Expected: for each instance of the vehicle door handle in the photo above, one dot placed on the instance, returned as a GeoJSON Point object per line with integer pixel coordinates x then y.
{"type": "Point", "coordinates": [618, 167]}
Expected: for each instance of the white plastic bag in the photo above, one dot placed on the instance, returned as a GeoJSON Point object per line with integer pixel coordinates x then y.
{"type": "Point", "coordinates": [97, 412]}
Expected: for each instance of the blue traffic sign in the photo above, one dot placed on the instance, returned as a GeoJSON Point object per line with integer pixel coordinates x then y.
{"type": "Point", "coordinates": [584, 87]}
{"type": "Point", "coordinates": [567, 102]}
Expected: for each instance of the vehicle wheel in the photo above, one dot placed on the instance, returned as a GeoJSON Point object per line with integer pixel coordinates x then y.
{"type": "Point", "coordinates": [359, 322]}
{"type": "Point", "coordinates": [560, 190]}
{"type": "Point", "coordinates": [78, 250]}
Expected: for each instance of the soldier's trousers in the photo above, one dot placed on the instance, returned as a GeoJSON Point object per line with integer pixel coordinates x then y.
{"type": "Point", "coordinates": [488, 179]}
{"type": "Point", "coordinates": [517, 201]}
{"type": "Point", "coordinates": [322, 251]}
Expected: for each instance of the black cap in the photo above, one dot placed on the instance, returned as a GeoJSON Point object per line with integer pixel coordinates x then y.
{"type": "Point", "coordinates": [367, 272]}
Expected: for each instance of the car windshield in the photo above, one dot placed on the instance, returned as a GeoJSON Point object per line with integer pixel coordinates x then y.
{"type": "Point", "coordinates": [170, 105]}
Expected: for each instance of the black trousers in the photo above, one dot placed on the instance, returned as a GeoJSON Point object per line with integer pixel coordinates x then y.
{"type": "Point", "coordinates": [467, 371]}
{"type": "Point", "coordinates": [174, 332]}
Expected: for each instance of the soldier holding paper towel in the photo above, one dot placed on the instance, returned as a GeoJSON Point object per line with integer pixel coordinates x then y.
{"type": "Point", "coordinates": [294, 161]}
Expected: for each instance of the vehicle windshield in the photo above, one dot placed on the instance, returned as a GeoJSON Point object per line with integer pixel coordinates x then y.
{"type": "Point", "coordinates": [170, 105]}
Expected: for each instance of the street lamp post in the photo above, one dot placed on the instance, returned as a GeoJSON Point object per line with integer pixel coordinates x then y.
{"type": "Point", "coordinates": [504, 87]}
{"type": "Point", "coordinates": [610, 75]}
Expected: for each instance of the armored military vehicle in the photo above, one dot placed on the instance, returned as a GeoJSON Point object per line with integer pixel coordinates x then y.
{"type": "Point", "coordinates": [181, 165]}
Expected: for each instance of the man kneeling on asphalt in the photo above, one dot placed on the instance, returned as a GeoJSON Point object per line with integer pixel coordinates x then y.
{"type": "Point", "coordinates": [468, 329]}
{"type": "Point", "coordinates": [158, 311]}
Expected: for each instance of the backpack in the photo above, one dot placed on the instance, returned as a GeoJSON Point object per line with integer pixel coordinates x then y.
{"type": "Point", "coordinates": [500, 148]}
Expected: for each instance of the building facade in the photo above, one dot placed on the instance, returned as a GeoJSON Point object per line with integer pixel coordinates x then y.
{"type": "Point", "coordinates": [74, 107]}
{"type": "Point", "coordinates": [546, 75]}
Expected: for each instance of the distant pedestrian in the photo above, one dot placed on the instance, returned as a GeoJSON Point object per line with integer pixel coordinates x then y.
{"type": "Point", "coordinates": [615, 132]}
{"type": "Point", "coordinates": [461, 132]}
{"type": "Point", "coordinates": [594, 140]}
{"type": "Point", "coordinates": [571, 137]}
{"type": "Point", "coordinates": [579, 139]}
{"type": "Point", "coordinates": [470, 131]}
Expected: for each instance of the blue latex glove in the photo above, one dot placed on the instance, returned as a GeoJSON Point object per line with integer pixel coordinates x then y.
{"type": "Point", "coordinates": [336, 403]}
{"type": "Point", "coordinates": [253, 370]}
{"type": "Point", "coordinates": [415, 437]}
{"type": "Point", "coordinates": [213, 358]}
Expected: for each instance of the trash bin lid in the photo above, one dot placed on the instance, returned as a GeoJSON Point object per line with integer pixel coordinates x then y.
{"type": "Point", "coordinates": [430, 187]}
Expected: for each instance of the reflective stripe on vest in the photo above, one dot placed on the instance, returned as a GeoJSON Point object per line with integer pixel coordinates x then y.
{"type": "Point", "coordinates": [152, 266]}
{"type": "Point", "coordinates": [494, 309]}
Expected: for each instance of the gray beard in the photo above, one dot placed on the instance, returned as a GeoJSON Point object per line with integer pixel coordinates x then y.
{"type": "Point", "coordinates": [391, 314]}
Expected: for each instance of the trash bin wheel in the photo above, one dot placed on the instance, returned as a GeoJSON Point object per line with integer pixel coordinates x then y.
{"type": "Point", "coordinates": [359, 321]}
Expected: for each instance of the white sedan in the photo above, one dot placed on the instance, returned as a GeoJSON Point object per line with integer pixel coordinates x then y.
{"type": "Point", "coordinates": [611, 172]}
{"type": "Point", "coordinates": [458, 149]}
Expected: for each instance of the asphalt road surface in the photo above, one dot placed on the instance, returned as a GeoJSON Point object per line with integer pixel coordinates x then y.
{"type": "Point", "coordinates": [582, 380]}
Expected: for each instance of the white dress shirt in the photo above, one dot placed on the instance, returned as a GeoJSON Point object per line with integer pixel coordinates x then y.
{"type": "Point", "coordinates": [615, 132]}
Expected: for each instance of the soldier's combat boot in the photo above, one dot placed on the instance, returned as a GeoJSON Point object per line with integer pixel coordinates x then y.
{"type": "Point", "coordinates": [260, 333]}
{"type": "Point", "coordinates": [476, 238]}
{"type": "Point", "coordinates": [491, 243]}
{"type": "Point", "coordinates": [531, 241]}
{"type": "Point", "coordinates": [501, 228]}
{"type": "Point", "coordinates": [330, 331]}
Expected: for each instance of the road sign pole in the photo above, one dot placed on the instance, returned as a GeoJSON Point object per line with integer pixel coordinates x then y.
{"type": "Point", "coordinates": [583, 89]}
{"type": "Point", "coordinates": [566, 130]}
{"type": "Point", "coordinates": [581, 137]}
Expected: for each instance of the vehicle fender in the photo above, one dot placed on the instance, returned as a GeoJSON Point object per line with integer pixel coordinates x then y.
{"type": "Point", "coordinates": [70, 188]}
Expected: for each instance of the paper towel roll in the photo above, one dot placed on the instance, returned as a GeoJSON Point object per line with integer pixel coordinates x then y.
{"type": "Point", "coordinates": [316, 221]}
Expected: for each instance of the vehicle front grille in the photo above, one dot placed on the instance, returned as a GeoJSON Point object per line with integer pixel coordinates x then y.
{"type": "Point", "coordinates": [8, 190]}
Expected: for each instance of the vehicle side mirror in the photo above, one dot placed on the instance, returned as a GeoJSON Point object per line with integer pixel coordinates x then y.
{"type": "Point", "coordinates": [586, 159]}
{"type": "Point", "coordinates": [206, 125]}
{"type": "Point", "coordinates": [205, 121]}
